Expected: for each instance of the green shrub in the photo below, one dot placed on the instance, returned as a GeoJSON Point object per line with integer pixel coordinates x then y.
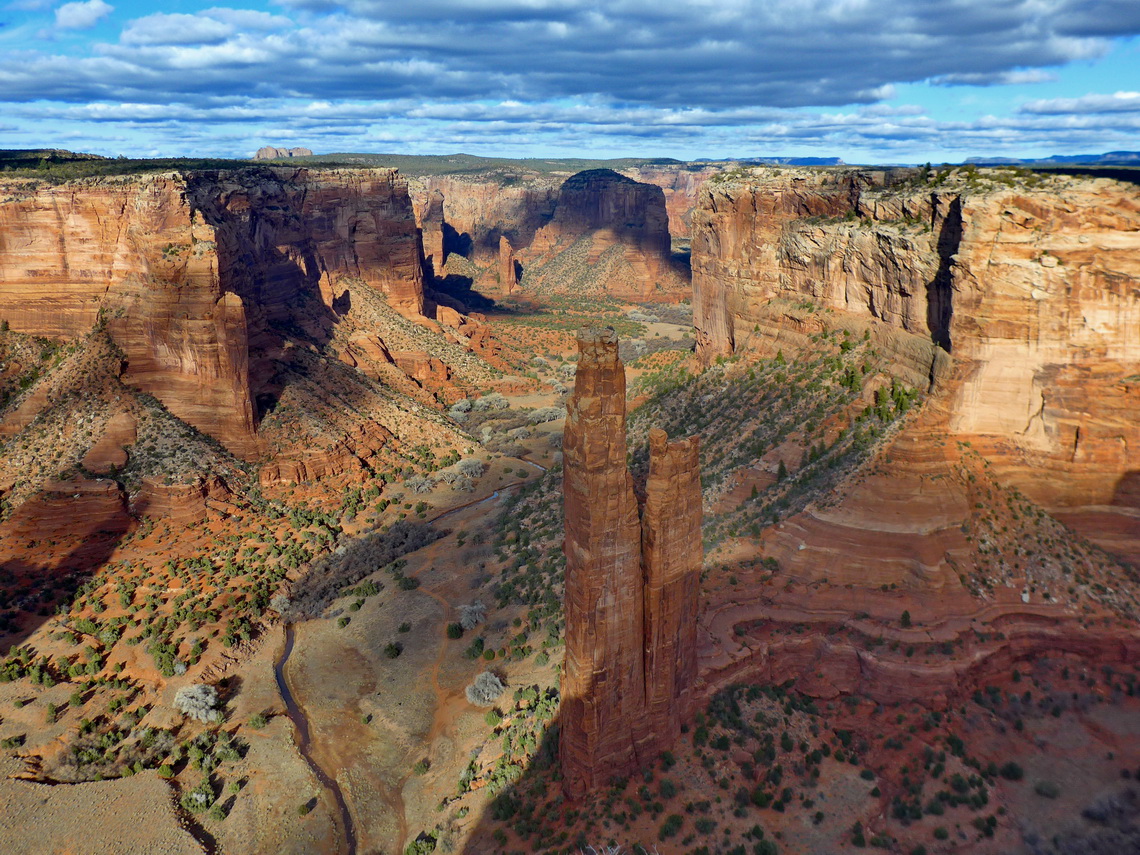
{"type": "Point", "coordinates": [1047, 789]}
{"type": "Point", "coordinates": [1012, 772]}
{"type": "Point", "coordinates": [671, 826]}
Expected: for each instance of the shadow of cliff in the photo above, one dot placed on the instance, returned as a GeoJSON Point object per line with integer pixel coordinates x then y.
{"type": "Point", "coordinates": [461, 289]}
{"type": "Point", "coordinates": [32, 590]}
{"type": "Point", "coordinates": [940, 290]}
{"type": "Point", "coordinates": [456, 243]}
{"type": "Point", "coordinates": [527, 809]}
{"type": "Point", "coordinates": [1127, 492]}
{"type": "Point", "coordinates": [268, 256]}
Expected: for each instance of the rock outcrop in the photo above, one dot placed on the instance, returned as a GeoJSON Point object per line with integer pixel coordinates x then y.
{"type": "Point", "coordinates": [598, 231]}
{"type": "Point", "coordinates": [478, 209]}
{"type": "Point", "coordinates": [1030, 283]}
{"type": "Point", "coordinates": [620, 229]}
{"type": "Point", "coordinates": [671, 556]}
{"type": "Point", "coordinates": [270, 153]}
{"type": "Point", "coordinates": [429, 217]}
{"type": "Point", "coordinates": [631, 584]}
{"type": "Point", "coordinates": [508, 266]}
{"type": "Point", "coordinates": [681, 185]}
{"type": "Point", "coordinates": [201, 277]}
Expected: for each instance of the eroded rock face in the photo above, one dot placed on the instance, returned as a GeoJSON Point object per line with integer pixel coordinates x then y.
{"type": "Point", "coordinates": [603, 683]}
{"type": "Point", "coordinates": [615, 216]}
{"type": "Point", "coordinates": [478, 210]}
{"type": "Point", "coordinates": [195, 275]}
{"type": "Point", "coordinates": [671, 557]}
{"type": "Point", "coordinates": [681, 186]}
{"type": "Point", "coordinates": [508, 267]}
{"type": "Point", "coordinates": [630, 585]}
{"type": "Point", "coordinates": [1031, 286]}
{"type": "Point", "coordinates": [429, 216]}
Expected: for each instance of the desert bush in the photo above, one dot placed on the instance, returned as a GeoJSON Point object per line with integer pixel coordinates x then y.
{"type": "Point", "coordinates": [494, 401]}
{"type": "Point", "coordinates": [642, 318]}
{"type": "Point", "coordinates": [485, 690]}
{"type": "Point", "coordinates": [547, 414]}
{"type": "Point", "coordinates": [198, 701]}
{"type": "Point", "coordinates": [1047, 789]}
{"type": "Point", "coordinates": [419, 484]}
{"type": "Point", "coordinates": [471, 467]}
{"type": "Point", "coordinates": [472, 615]}
{"type": "Point", "coordinates": [461, 406]}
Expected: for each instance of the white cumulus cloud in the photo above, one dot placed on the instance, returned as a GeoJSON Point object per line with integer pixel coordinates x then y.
{"type": "Point", "coordinates": [82, 15]}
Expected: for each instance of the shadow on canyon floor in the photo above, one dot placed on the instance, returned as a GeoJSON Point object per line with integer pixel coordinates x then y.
{"type": "Point", "coordinates": [32, 590]}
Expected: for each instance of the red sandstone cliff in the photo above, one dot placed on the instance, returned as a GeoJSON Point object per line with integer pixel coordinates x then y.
{"type": "Point", "coordinates": [598, 231]}
{"type": "Point", "coordinates": [631, 587]}
{"type": "Point", "coordinates": [681, 185]}
{"type": "Point", "coordinates": [603, 684]}
{"type": "Point", "coordinates": [429, 218]}
{"type": "Point", "coordinates": [622, 228]}
{"type": "Point", "coordinates": [1029, 283]}
{"type": "Point", "coordinates": [197, 274]}
{"type": "Point", "coordinates": [671, 557]}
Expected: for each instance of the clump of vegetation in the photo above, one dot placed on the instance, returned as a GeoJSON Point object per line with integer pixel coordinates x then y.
{"type": "Point", "coordinates": [485, 690]}
{"type": "Point", "coordinates": [198, 701]}
{"type": "Point", "coordinates": [470, 616]}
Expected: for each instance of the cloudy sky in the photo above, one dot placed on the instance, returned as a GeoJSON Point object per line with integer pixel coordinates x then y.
{"type": "Point", "coordinates": [865, 80]}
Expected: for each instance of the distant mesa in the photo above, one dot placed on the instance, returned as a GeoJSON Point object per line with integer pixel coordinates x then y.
{"type": "Point", "coordinates": [270, 153]}
{"type": "Point", "coordinates": [1108, 158]}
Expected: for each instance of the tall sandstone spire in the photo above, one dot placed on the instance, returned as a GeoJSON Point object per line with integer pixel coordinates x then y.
{"type": "Point", "coordinates": [631, 584]}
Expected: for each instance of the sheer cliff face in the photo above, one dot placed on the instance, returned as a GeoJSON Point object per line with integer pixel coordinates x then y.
{"type": "Point", "coordinates": [1032, 289]}
{"type": "Point", "coordinates": [603, 682]}
{"type": "Point", "coordinates": [631, 585]}
{"type": "Point", "coordinates": [681, 186]}
{"type": "Point", "coordinates": [671, 559]}
{"type": "Point", "coordinates": [624, 228]}
{"type": "Point", "coordinates": [192, 274]}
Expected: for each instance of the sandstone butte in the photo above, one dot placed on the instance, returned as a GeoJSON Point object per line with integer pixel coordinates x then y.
{"type": "Point", "coordinates": [1028, 289]}
{"type": "Point", "coordinates": [192, 273]}
{"type": "Point", "coordinates": [631, 583]}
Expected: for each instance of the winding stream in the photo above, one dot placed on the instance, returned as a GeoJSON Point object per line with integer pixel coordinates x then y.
{"type": "Point", "coordinates": [297, 715]}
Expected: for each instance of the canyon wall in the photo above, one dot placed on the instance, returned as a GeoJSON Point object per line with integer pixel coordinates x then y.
{"type": "Point", "coordinates": [480, 209]}
{"type": "Point", "coordinates": [1029, 282]}
{"type": "Point", "coordinates": [609, 234]}
{"type": "Point", "coordinates": [631, 585]}
{"type": "Point", "coordinates": [632, 212]}
{"type": "Point", "coordinates": [196, 275]}
{"type": "Point", "coordinates": [681, 185]}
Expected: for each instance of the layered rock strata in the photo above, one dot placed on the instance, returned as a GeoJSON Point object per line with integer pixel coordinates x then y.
{"type": "Point", "coordinates": [200, 277]}
{"type": "Point", "coordinates": [1030, 283]}
{"type": "Point", "coordinates": [429, 217]}
{"type": "Point", "coordinates": [624, 227]}
{"type": "Point", "coordinates": [598, 231]}
{"type": "Point", "coordinates": [631, 584]}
